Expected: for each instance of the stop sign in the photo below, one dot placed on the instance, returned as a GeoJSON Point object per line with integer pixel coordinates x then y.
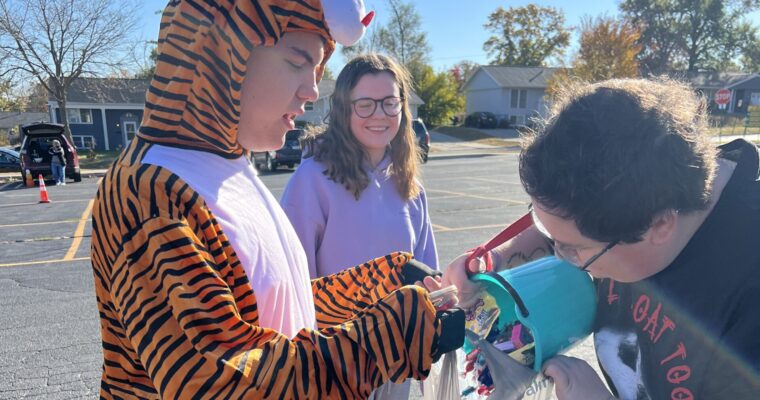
{"type": "Point", "coordinates": [722, 96]}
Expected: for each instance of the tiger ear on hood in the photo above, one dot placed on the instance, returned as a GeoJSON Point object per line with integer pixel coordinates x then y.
{"type": "Point", "coordinates": [346, 20]}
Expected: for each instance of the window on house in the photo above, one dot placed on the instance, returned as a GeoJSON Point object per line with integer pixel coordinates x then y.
{"type": "Point", "coordinates": [309, 106]}
{"type": "Point", "coordinates": [517, 120]}
{"type": "Point", "coordinates": [83, 141]}
{"type": "Point", "coordinates": [79, 115]}
{"type": "Point", "coordinates": [518, 98]}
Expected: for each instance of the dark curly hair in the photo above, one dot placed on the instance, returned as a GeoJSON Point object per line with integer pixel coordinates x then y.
{"type": "Point", "coordinates": [613, 155]}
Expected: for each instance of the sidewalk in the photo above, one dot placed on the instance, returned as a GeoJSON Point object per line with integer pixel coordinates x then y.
{"type": "Point", "coordinates": [501, 141]}
{"type": "Point", "coordinates": [16, 176]}
{"type": "Point", "coordinates": [509, 140]}
{"type": "Point", "coordinates": [442, 144]}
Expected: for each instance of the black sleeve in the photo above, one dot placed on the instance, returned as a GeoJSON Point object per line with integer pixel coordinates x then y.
{"type": "Point", "coordinates": [734, 369]}
{"type": "Point", "coordinates": [414, 271]}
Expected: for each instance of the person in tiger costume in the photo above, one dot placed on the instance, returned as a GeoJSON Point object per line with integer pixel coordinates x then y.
{"type": "Point", "coordinates": [202, 284]}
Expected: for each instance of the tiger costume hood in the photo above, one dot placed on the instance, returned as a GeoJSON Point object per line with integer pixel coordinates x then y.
{"type": "Point", "coordinates": [193, 101]}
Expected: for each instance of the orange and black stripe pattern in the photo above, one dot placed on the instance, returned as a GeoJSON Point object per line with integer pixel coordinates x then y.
{"type": "Point", "coordinates": [194, 99]}
{"type": "Point", "coordinates": [179, 318]}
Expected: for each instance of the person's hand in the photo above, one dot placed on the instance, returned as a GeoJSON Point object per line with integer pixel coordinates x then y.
{"type": "Point", "coordinates": [458, 274]}
{"type": "Point", "coordinates": [434, 283]}
{"type": "Point", "coordinates": [431, 283]}
{"type": "Point", "coordinates": [574, 379]}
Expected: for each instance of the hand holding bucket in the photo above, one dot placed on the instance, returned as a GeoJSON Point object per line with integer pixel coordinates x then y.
{"type": "Point", "coordinates": [549, 296]}
{"type": "Point", "coordinates": [552, 298]}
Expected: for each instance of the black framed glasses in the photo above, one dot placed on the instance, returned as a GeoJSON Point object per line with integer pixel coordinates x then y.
{"type": "Point", "coordinates": [365, 107]}
{"type": "Point", "coordinates": [569, 254]}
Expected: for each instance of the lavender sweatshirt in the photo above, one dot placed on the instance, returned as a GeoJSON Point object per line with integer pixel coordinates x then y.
{"type": "Point", "coordinates": [337, 231]}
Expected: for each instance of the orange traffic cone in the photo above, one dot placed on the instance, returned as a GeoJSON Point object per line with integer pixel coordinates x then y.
{"type": "Point", "coordinates": [43, 191]}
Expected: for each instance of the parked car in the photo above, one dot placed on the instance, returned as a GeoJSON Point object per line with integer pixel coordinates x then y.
{"type": "Point", "coordinates": [502, 121]}
{"type": "Point", "coordinates": [481, 119]}
{"type": "Point", "coordinates": [289, 154]}
{"type": "Point", "coordinates": [10, 160]}
{"type": "Point", "coordinates": [38, 138]}
{"type": "Point", "coordinates": [423, 138]}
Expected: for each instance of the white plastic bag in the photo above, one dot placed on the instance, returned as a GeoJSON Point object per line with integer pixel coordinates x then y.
{"type": "Point", "coordinates": [443, 381]}
{"type": "Point", "coordinates": [513, 380]}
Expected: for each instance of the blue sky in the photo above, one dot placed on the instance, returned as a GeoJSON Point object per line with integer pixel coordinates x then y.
{"type": "Point", "coordinates": [454, 27]}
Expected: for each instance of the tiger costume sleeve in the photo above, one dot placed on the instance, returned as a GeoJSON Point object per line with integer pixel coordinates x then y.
{"type": "Point", "coordinates": [341, 296]}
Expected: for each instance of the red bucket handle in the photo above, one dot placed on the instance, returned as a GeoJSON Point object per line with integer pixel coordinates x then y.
{"type": "Point", "coordinates": [483, 251]}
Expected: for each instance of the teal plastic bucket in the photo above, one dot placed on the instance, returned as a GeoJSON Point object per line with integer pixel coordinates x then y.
{"type": "Point", "coordinates": [551, 297]}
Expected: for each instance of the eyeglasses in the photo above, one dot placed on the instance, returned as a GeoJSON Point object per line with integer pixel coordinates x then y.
{"type": "Point", "coordinates": [569, 254]}
{"type": "Point", "coordinates": [365, 107]}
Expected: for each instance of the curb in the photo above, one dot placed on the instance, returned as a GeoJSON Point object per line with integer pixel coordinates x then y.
{"type": "Point", "coordinates": [13, 177]}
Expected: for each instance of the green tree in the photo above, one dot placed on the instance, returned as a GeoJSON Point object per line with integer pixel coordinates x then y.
{"type": "Point", "coordinates": [401, 37]}
{"type": "Point", "coordinates": [327, 73]}
{"type": "Point", "coordinates": [693, 35]}
{"type": "Point", "coordinates": [9, 100]}
{"type": "Point", "coordinates": [438, 91]}
{"type": "Point", "coordinates": [147, 70]}
{"type": "Point", "coordinates": [751, 57]}
{"type": "Point", "coordinates": [526, 36]}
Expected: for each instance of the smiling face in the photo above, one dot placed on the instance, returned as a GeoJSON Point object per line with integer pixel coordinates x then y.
{"type": "Point", "coordinates": [375, 132]}
{"type": "Point", "coordinates": [279, 81]}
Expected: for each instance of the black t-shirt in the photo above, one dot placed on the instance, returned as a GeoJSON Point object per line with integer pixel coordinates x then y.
{"type": "Point", "coordinates": [692, 331]}
{"type": "Point", "coordinates": [58, 155]}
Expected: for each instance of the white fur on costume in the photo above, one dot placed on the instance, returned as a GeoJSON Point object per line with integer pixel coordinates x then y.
{"type": "Point", "coordinates": [346, 20]}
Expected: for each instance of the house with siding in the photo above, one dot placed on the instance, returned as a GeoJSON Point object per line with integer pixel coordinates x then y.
{"type": "Point", "coordinates": [744, 88]}
{"type": "Point", "coordinates": [104, 112]}
{"type": "Point", "coordinates": [12, 121]}
{"type": "Point", "coordinates": [516, 93]}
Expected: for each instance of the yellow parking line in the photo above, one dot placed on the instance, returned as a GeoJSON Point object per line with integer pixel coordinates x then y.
{"type": "Point", "coordinates": [440, 228]}
{"type": "Point", "coordinates": [469, 228]}
{"type": "Point", "coordinates": [65, 221]}
{"type": "Point", "coordinates": [496, 181]}
{"type": "Point", "coordinates": [42, 262]}
{"type": "Point", "coordinates": [78, 232]}
{"type": "Point", "coordinates": [477, 197]}
{"type": "Point", "coordinates": [441, 197]}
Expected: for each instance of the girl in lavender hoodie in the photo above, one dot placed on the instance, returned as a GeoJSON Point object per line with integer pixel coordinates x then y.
{"type": "Point", "coordinates": [356, 194]}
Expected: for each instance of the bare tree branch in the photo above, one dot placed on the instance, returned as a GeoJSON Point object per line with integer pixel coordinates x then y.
{"type": "Point", "coordinates": [58, 41]}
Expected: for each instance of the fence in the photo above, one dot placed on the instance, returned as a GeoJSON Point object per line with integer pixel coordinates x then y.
{"type": "Point", "coordinates": [725, 128]}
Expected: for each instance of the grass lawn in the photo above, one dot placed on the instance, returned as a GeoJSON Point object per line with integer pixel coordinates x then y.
{"type": "Point", "coordinates": [733, 130]}
{"type": "Point", "coordinates": [102, 159]}
{"type": "Point", "coordinates": [474, 135]}
{"type": "Point", "coordinates": [463, 133]}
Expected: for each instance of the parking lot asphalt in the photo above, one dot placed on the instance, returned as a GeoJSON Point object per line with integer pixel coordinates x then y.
{"type": "Point", "coordinates": [49, 325]}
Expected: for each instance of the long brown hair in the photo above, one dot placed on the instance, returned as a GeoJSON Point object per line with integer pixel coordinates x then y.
{"type": "Point", "coordinates": [339, 150]}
